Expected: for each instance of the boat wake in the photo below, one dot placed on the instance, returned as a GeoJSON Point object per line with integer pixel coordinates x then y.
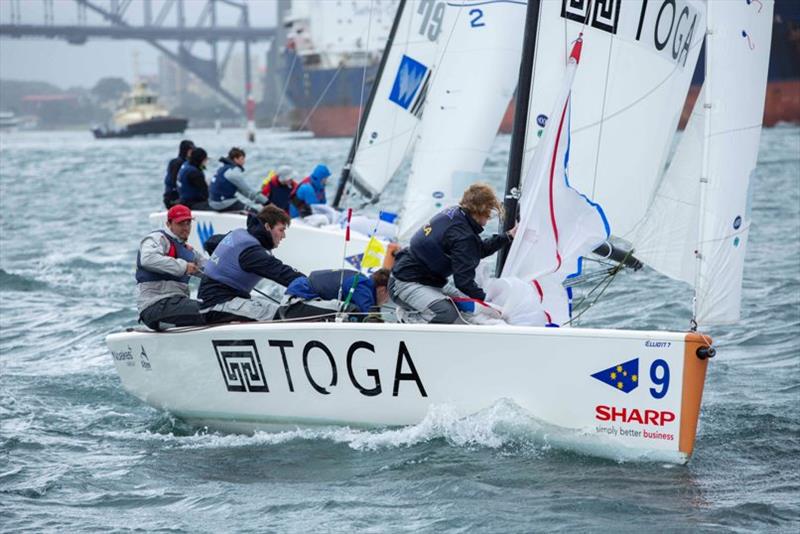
{"type": "Point", "coordinates": [504, 427]}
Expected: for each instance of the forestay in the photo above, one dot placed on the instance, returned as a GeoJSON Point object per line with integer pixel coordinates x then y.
{"type": "Point", "coordinates": [399, 97]}
{"type": "Point", "coordinates": [626, 98]}
{"type": "Point", "coordinates": [477, 70]}
{"type": "Point", "coordinates": [729, 130]}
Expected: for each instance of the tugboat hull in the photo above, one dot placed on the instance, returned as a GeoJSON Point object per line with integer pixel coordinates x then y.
{"type": "Point", "coordinates": [158, 125]}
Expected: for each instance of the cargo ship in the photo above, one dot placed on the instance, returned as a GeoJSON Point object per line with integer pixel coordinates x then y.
{"type": "Point", "coordinates": [330, 68]}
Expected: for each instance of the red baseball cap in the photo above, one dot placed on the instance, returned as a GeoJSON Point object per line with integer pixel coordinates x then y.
{"type": "Point", "coordinates": [178, 213]}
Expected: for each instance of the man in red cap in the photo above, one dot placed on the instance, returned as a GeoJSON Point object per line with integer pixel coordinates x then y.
{"type": "Point", "coordinates": [163, 267]}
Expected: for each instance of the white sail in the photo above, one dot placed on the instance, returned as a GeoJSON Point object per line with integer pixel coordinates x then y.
{"type": "Point", "coordinates": [476, 75]}
{"type": "Point", "coordinates": [627, 97]}
{"type": "Point", "coordinates": [737, 58]}
{"type": "Point", "coordinates": [400, 95]}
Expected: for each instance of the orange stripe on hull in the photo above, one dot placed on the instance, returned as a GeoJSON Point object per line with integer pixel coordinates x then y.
{"type": "Point", "coordinates": [694, 377]}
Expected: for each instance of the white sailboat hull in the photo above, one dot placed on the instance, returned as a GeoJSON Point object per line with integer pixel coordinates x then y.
{"type": "Point", "coordinates": [250, 376]}
{"type": "Point", "coordinates": [306, 248]}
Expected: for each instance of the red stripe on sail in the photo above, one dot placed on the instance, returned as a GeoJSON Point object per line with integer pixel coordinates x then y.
{"type": "Point", "coordinates": [539, 290]}
{"type": "Point", "coordinates": [552, 174]}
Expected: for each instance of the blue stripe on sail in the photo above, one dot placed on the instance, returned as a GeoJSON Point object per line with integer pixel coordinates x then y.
{"type": "Point", "coordinates": [595, 205]}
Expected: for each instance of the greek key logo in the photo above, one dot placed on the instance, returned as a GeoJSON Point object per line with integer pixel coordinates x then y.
{"type": "Point", "coordinates": [240, 365]}
{"type": "Point", "coordinates": [600, 14]}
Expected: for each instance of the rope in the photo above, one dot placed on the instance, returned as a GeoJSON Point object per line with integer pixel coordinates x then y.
{"type": "Point", "coordinates": [321, 96]}
{"type": "Point", "coordinates": [602, 285]}
{"type": "Point", "coordinates": [283, 92]}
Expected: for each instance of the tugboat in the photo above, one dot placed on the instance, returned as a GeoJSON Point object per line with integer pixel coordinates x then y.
{"type": "Point", "coordinates": [141, 114]}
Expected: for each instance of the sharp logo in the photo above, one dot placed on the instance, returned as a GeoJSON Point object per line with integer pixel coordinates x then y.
{"type": "Point", "coordinates": [410, 85]}
{"type": "Point", "coordinates": [204, 231]}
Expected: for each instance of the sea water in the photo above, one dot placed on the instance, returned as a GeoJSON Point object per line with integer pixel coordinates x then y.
{"type": "Point", "coordinates": [79, 453]}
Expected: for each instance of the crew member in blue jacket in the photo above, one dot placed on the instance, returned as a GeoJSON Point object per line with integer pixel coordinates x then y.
{"type": "Point", "coordinates": [163, 266]}
{"type": "Point", "coordinates": [228, 181]}
{"type": "Point", "coordinates": [192, 185]}
{"type": "Point", "coordinates": [449, 245]}
{"type": "Point", "coordinates": [171, 178]}
{"type": "Point", "coordinates": [310, 190]}
{"type": "Point", "coordinates": [238, 263]}
{"type": "Point", "coordinates": [333, 286]}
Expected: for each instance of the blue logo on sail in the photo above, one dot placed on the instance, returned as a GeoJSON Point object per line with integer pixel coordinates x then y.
{"type": "Point", "coordinates": [623, 376]}
{"type": "Point", "coordinates": [204, 231]}
{"type": "Point", "coordinates": [410, 76]}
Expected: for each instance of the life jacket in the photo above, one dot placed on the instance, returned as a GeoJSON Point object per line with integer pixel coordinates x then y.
{"type": "Point", "coordinates": [426, 243]}
{"type": "Point", "coordinates": [224, 263]}
{"type": "Point", "coordinates": [176, 250]}
{"type": "Point", "coordinates": [221, 188]}
{"type": "Point", "coordinates": [278, 193]}
{"type": "Point", "coordinates": [187, 190]}
{"type": "Point", "coordinates": [171, 177]}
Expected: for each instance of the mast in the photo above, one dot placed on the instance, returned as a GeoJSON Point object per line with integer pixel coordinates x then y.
{"type": "Point", "coordinates": [517, 151]}
{"type": "Point", "coordinates": [699, 253]}
{"type": "Point", "coordinates": [345, 176]}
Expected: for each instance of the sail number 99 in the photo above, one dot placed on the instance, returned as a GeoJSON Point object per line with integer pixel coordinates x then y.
{"type": "Point", "coordinates": [659, 375]}
{"type": "Point", "coordinates": [432, 14]}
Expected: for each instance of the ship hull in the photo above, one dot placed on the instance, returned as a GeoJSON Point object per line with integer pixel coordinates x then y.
{"type": "Point", "coordinates": [160, 125]}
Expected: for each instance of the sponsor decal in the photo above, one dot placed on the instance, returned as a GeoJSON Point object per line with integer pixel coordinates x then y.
{"type": "Point", "coordinates": [410, 85]}
{"type": "Point", "coordinates": [736, 241]}
{"type": "Point", "coordinates": [124, 356]}
{"type": "Point", "coordinates": [541, 120]}
{"type": "Point", "coordinates": [600, 14]}
{"type": "Point", "coordinates": [204, 231]}
{"type": "Point", "coordinates": [737, 222]}
{"type": "Point", "coordinates": [144, 360]}
{"type": "Point", "coordinates": [355, 260]}
{"type": "Point", "coordinates": [657, 344]}
{"type": "Point", "coordinates": [623, 376]}
{"type": "Point", "coordinates": [242, 369]}
{"type": "Point", "coordinates": [438, 195]}
{"type": "Point", "coordinates": [613, 414]}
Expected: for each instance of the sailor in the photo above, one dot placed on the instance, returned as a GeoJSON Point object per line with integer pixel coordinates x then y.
{"type": "Point", "coordinates": [278, 187]}
{"type": "Point", "coordinates": [449, 245]}
{"type": "Point", "coordinates": [229, 180]}
{"type": "Point", "coordinates": [171, 178]}
{"type": "Point", "coordinates": [310, 191]}
{"type": "Point", "coordinates": [163, 266]}
{"type": "Point", "coordinates": [239, 262]}
{"type": "Point", "coordinates": [192, 185]}
{"type": "Point", "coordinates": [326, 291]}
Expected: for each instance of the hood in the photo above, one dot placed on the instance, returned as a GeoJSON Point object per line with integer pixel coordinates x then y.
{"type": "Point", "coordinates": [226, 161]}
{"type": "Point", "coordinates": [184, 148]}
{"type": "Point", "coordinates": [256, 229]}
{"type": "Point", "coordinates": [319, 173]}
{"type": "Point", "coordinates": [198, 156]}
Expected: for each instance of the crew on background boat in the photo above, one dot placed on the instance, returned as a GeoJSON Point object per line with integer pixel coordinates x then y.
{"type": "Point", "coordinates": [449, 245]}
{"type": "Point", "coordinates": [310, 191]}
{"type": "Point", "coordinates": [163, 267]}
{"type": "Point", "coordinates": [278, 187]}
{"type": "Point", "coordinates": [239, 262]}
{"type": "Point", "coordinates": [228, 181]}
{"type": "Point", "coordinates": [331, 289]}
{"type": "Point", "coordinates": [192, 185]}
{"type": "Point", "coordinates": [171, 179]}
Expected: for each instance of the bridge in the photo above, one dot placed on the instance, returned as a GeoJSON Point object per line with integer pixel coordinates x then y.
{"type": "Point", "coordinates": [156, 22]}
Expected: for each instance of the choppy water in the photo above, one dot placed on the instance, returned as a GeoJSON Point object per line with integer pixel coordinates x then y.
{"type": "Point", "coordinates": [78, 453]}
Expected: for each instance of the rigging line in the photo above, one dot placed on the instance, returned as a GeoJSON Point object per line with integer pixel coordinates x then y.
{"type": "Point", "coordinates": [283, 92]}
{"type": "Point", "coordinates": [321, 96]}
{"type": "Point", "coordinates": [602, 121]}
{"type": "Point", "coordinates": [607, 281]}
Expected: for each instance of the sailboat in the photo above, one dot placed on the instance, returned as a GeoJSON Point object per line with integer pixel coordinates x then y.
{"type": "Point", "coordinates": [616, 393]}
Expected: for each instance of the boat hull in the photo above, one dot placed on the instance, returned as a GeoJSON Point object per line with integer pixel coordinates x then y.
{"type": "Point", "coordinates": [154, 126]}
{"type": "Point", "coordinates": [252, 376]}
{"type": "Point", "coordinates": [305, 247]}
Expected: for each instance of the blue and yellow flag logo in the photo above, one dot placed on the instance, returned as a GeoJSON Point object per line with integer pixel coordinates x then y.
{"type": "Point", "coordinates": [623, 376]}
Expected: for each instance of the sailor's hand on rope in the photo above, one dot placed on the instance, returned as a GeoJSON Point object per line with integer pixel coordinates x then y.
{"type": "Point", "coordinates": [513, 232]}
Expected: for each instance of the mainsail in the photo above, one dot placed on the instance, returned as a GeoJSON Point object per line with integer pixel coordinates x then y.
{"type": "Point", "coordinates": [708, 183]}
{"type": "Point", "coordinates": [475, 79]}
{"type": "Point", "coordinates": [399, 95]}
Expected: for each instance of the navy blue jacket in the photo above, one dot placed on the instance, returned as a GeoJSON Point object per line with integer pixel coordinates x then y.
{"type": "Point", "coordinates": [192, 184]}
{"type": "Point", "coordinates": [329, 285]}
{"type": "Point", "coordinates": [450, 244]}
{"type": "Point", "coordinates": [254, 260]}
{"type": "Point", "coordinates": [171, 178]}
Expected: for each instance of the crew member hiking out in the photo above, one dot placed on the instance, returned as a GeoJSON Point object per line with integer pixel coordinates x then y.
{"type": "Point", "coordinates": [192, 185]}
{"type": "Point", "coordinates": [310, 191]}
{"type": "Point", "coordinates": [238, 263]}
{"type": "Point", "coordinates": [278, 187]}
{"type": "Point", "coordinates": [163, 266]}
{"type": "Point", "coordinates": [325, 292]}
{"type": "Point", "coordinates": [228, 181]}
{"type": "Point", "coordinates": [171, 178]}
{"type": "Point", "coordinates": [449, 245]}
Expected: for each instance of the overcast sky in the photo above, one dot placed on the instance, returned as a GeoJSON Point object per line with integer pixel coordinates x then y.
{"type": "Point", "coordinates": [66, 65]}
